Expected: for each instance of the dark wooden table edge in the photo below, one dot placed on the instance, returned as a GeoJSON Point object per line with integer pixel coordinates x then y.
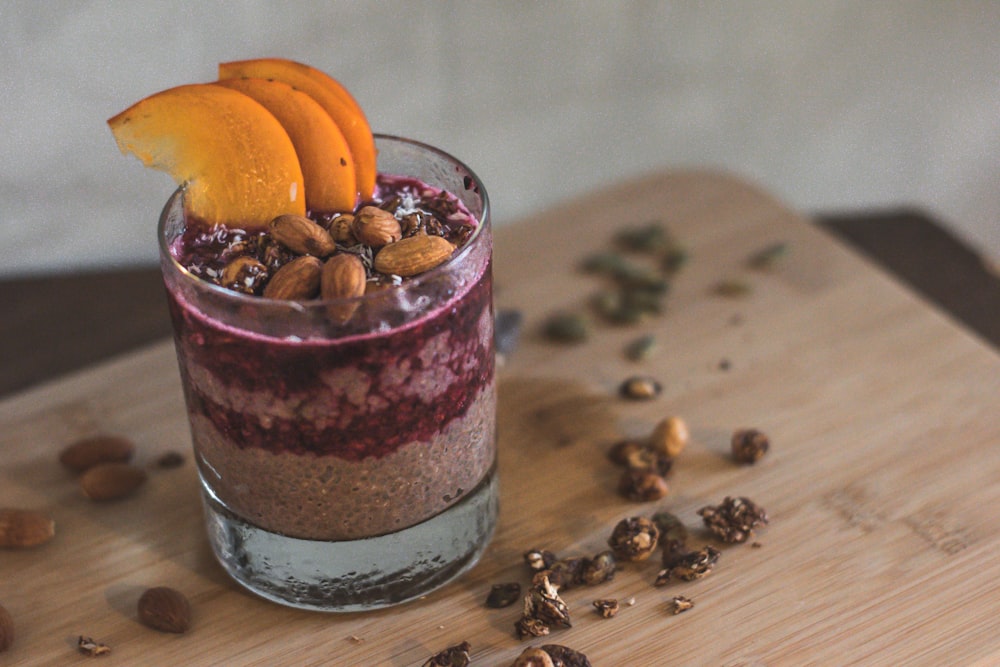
{"type": "Point", "coordinates": [56, 324]}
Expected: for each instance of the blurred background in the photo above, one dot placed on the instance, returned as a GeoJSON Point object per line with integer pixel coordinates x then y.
{"type": "Point", "coordinates": [828, 105]}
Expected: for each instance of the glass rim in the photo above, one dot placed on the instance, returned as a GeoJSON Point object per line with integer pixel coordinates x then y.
{"type": "Point", "coordinates": [482, 221]}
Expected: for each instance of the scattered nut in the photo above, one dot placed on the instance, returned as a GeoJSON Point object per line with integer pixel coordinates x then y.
{"type": "Point", "coordinates": [688, 566]}
{"type": "Point", "coordinates": [679, 604]}
{"type": "Point", "coordinates": [640, 388]}
{"type": "Point", "coordinates": [22, 529]}
{"type": "Point", "coordinates": [642, 485]}
{"type": "Point", "coordinates": [607, 607]}
{"type": "Point", "coordinates": [670, 437]}
{"type": "Point", "coordinates": [749, 445]}
{"type": "Point", "coordinates": [734, 520]}
{"type": "Point", "coordinates": [634, 539]}
{"type": "Point", "coordinates": [533, 657]}
{"type": "Point", "coordinates": [563, 656]}
{"type": "Point", "coordinates": [111, 481]}
{"type": "Point", "coordinates": [503, 595]}
{"type": "Point", "coordinates": [87, 452]}
{"type": "Point", "coordinates": [673, 533]}
{"type": "Point", "coordinates": [88, 646]}
{"type": "Point", "coordinates": [453, 656]}
{"type": "Point", "coordinates": [566, 328]}
{"type": "Point", "coordinates": [539, 559]}
{"type": "Point", "coordinates": [170, 460]}
{"type": "Point", "coordinates": [165, 609]}
{"type": "Point", "coordinates": [543, 608]}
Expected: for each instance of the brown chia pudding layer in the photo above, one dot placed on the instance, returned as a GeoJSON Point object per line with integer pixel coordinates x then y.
{"type": "Point", "coordinates": [344, 437]}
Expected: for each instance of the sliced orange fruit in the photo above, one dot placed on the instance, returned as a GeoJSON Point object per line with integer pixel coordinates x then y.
{"type": "Point", "coordinates": [325, 158]}
{"type": "Point", "coordinates": [331, 95]}
{"type": "Point", "coordinates": [233, 156]}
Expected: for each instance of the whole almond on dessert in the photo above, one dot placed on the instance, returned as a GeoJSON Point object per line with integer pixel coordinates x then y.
{"type": "Point", "coordinates": [301, 235]}
{"type": "Point", "coordinates": [111, 481]}
{"type": "Point", "coordinates": [20, 529]}
{"type": "Point", "coordinates": [6, 629]}
{"type": "Point", "coordinates": [376, 227]}
{"type": "Point", "coordinates": [343, 276]}
{"type": "Point", "coordinates": [295, 281]}
{"type": "Point", "coordinates": [164, 609]}
{"type": "Point", "coordinates": [413, 255]}
{"type": "Point", "coordinates": [88, 452]}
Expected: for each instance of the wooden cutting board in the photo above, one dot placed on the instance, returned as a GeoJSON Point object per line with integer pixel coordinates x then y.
{"type": "Point", "coordinates": [880, 484]}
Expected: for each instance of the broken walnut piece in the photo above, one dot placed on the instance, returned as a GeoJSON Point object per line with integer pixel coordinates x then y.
{"type": "Point", "coordinates": [634, 539]}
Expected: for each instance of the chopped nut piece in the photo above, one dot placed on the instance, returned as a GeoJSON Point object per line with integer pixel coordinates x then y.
{"type": "Point", "coordinates": [689, 566]}
{"type": "Point", "coordinates": [673, 534]}
{"type": "Point", "coordinates": [563, 656]}
{"type": "Point", "coordinates": [543, 608]}
{"type": "Point", "coordinates": [88, 646]}
{"type": "Point", "coordinates": [599, 569]}
{"type": "Point", "coordinates": [634, 539]}
{"type": "Point", "coordinates": [749, 445]}
{"type": "Point", "coordinates": [679, 604]}
{"type": "Point", "coordinates": [453, 656]}
{"type": "Point", "coordinates": [564, 573]}
{"type": "Point", "coordinates": [607, 607]}
{"type": "Point", "coordinates": [503, 595]}
{"type": "Point", "coordinates": [623, 450]}
{"type": "Point", "coordinates": [642, 485]}
{"type": "Point", "coordinates": [530, 627]}
{"type": "Point", "coordinates": [734, 520]}
{"type": "Point", "coordinates": [647, 459]}
{"type": "Point", "coordinates": [670, 437]}
{"type": "Point", "coordinates": [640, 388]}
{"type": "Point", "coordinates": [539, 559]}
{"type": "Point", "coordinates": [533, 657]}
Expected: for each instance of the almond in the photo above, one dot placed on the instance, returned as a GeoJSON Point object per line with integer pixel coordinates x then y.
{"type": "Point", "coordinates": [301, 235]}
{"type": "Point", "coordinates": [165, 609]}
{"type": "Point", "coordinates": [297, 280]}
{"type": "Point", "coordinates": [375, 227]}
{"type": "Point", "coordinates": [6, 629]}
{"type": "Point", "coordinates": [413, 255]}
{"type": "Point", "coordinates": [20, 529]}
{"type": "Point", "coordinates": [343, 276]}
{"type": "Point", "coordinates": [111, 481]}
{"type": "Point", "coordinates": [88, 452]}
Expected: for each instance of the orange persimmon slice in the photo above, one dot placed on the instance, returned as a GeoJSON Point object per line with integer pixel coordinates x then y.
{"type": "Point", "coordinates": [232, 155]}
{"type": "Point", "coordinates": [325, 158]}
{"type": "Point", "coordinates": [331, 95]}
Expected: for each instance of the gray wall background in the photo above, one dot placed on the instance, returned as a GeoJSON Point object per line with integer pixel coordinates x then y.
{"type": "Point", "coordinates": [827, 104]}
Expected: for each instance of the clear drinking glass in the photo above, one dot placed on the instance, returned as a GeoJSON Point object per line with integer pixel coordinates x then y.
{"type": "Point", "coordinates": [346, 448]}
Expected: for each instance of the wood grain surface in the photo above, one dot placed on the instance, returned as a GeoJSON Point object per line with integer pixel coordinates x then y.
{"type": "Point", "coordinates": [880, 484]}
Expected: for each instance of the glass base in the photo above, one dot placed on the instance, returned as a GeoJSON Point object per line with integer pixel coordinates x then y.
{"type": "Point", "coordinates": [354, 575]}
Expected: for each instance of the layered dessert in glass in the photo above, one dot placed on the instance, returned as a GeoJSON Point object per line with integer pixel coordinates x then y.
{"type": "Point", "coordinates": [341, 395]}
